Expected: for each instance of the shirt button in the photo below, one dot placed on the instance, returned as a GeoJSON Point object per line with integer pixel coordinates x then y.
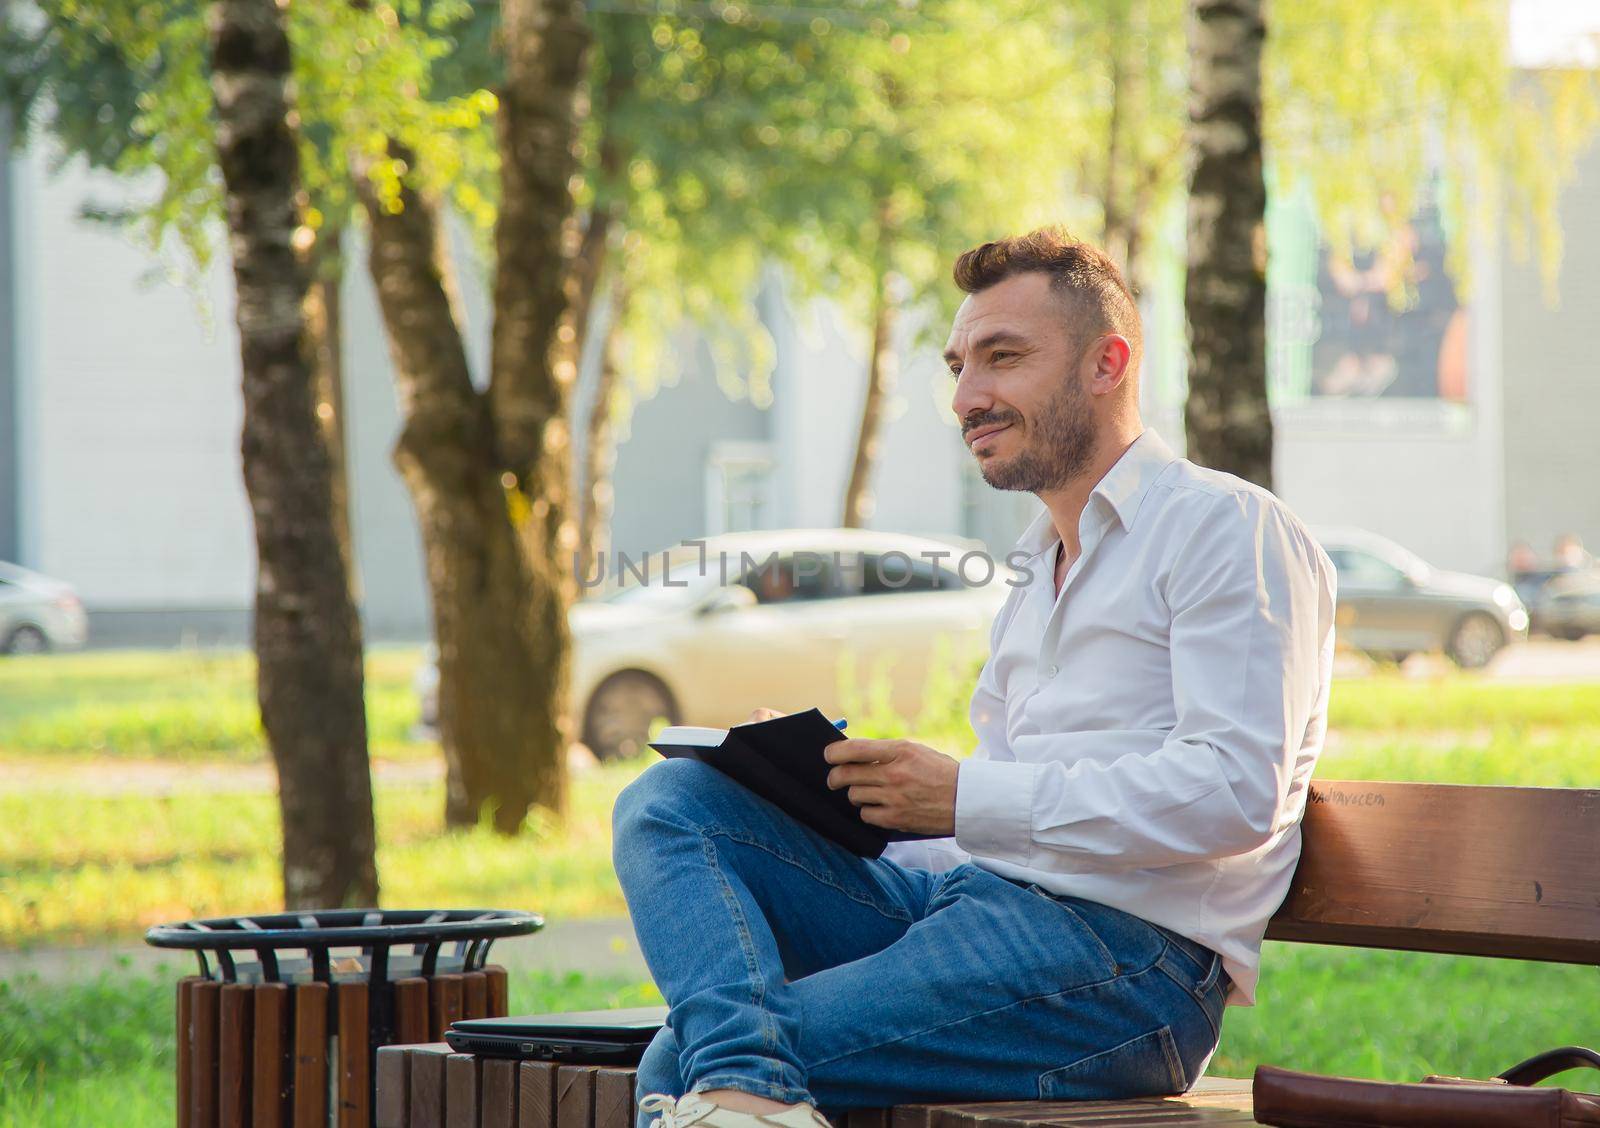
{"type": "Point", "coordinates": [1051, 671]}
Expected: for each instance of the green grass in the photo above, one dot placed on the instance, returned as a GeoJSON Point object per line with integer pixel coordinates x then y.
{"type": "Point", "coordinates": [79, 868]}
{"type": "Point", "coordinates": [171, 705]}
{"type": "Point", "coordinates": [101, 1053]}
{"type": "Point", "coordinates": [81, 862]}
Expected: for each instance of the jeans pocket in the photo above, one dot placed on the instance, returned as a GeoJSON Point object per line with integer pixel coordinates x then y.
{"type": "Point", "coordinates": [1146, 1066]}
{"type": "Point", "coordinates": [1113, 966]}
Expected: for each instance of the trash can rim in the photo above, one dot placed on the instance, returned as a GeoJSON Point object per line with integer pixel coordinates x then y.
{"type": "Point", "coordinates": [343, 927]}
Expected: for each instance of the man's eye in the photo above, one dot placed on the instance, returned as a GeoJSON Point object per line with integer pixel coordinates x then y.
{"type": "Point", "coordinates": [955, 370]}
{"type": "Point", "coordinates": [1001, 354]}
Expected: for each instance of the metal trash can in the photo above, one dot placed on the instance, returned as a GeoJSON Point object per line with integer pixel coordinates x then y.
{"type": "Point", "coordinates": [281, 1026]}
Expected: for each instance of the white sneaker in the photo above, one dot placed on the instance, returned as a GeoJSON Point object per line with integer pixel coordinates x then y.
{"type": "Point", "coordinates": [695, 1109]}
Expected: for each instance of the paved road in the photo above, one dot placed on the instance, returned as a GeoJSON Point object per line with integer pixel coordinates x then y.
{"type": "Point", "coordinates": [1539, 660]}
{"type": "Point", "coordinates": [594, 947]}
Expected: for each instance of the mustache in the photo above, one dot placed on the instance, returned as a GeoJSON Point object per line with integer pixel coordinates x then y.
{"type": "Point", "coordinates": [976, 419]}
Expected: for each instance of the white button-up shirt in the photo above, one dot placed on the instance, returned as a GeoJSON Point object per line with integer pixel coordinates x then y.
{"type": "Point", "coordinates": [1147, 736]}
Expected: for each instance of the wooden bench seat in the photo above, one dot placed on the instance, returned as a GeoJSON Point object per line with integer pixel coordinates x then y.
{"type": "Point", "coordinates": [1508, 872]}
{"type": "Point", "coordinates": [427, 1086]}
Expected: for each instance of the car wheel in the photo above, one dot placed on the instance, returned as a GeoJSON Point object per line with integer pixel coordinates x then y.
{"type": "Point", "coordinates": [1475, 641]}
{"type": "Point", "coordinates": [616, 723]}
{"type": "Point", "coordinates": [26, 640]}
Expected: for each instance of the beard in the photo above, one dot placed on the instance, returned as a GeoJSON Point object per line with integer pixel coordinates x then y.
{"type": "Point", "coordinates": [1058, 444]}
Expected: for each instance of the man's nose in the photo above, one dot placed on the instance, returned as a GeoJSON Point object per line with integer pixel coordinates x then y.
{"type": "Point", "coordinates": [973, 393]}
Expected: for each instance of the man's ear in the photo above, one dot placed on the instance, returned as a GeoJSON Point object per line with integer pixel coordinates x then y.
{"type": "Point", "coordinates": [1111, 355]}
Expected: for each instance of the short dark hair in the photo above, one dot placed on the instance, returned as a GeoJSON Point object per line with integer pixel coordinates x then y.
{"type": "Point", "coordinates": [1080, 272]}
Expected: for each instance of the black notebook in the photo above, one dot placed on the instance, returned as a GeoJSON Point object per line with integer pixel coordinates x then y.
{"type": "Point", "coordinates": [781, 761]}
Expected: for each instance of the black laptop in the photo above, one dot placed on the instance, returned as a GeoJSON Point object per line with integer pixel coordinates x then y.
{"type": "Point", "coordinates": [602, 1037]}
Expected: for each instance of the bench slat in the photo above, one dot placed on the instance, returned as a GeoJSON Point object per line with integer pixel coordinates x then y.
{"type": "Point", "coordinates": [536, 1094]}
{"type": "Point", "coordinates": [575, 1096]}
{"type": "Point", "coordinates": [461, 1091]}
{"type": "Point", "coordinates": [427, 1085]}
{"type": "Point", "coordinates": [499, 1100]}
{"type": "Point", "coordinates": [1465, 870]}
{"type": "Point", "coordinates": [393, 1104]}
{"type": "Point", "coordinates": [613, 1098]}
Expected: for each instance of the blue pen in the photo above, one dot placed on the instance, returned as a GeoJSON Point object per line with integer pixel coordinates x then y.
{"type": "Point", "coordinates": [840, 723]}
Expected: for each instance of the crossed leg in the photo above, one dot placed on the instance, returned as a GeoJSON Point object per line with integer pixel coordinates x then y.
{"type": "Point", "coordinates": [798, 971]}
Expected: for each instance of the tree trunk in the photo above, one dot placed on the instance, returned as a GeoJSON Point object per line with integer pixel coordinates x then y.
{"type": "Point", "coordinates": [307, 635]}
{"type": "Point", "coordinates": [325, 325]}
{"type": "Point", "coordinates": [480, 588]}
{"type": "Point", "coordinates": [1228, 424]}
{"type": "Point", "coordinates": [599, 450]}
{"type": "Point", "coordinates": [881, 371]}
{"type": "Point", "coordinates": [533, 354]}
{"type": "Point", "coordinates": [490, 472]}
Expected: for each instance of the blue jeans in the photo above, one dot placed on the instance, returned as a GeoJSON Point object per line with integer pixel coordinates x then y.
{"type": "Point", "coordinates": [798, 971]}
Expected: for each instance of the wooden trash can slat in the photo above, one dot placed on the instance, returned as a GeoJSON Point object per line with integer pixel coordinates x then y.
{"type": "Point", "coordinates": [474, 995]}
{"type": "Point", "coordinates": [282, 1026]}
{"type": "Point", "coordinates": [234, 1059]}
{"type": "Point", "coordinates": [204, 999]}
{"type": "Point", "coordinates": [445, 991]}
{"type": "Point", "coordinates": [257, 1055]}
{"type": "Point", "coordinates": [355, 1057]}
{"type": "Point", "coordinates": [269, 1094]}
{"type": "Point", "coordinates": [310, 1084]}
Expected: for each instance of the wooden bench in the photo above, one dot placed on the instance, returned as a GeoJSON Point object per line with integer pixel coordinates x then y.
{"type": "Point", "coordinates": [1511, 872]}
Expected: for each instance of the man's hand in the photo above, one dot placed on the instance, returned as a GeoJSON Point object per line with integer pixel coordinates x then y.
{"type": "Point", "coordinates": [898, 784]}
{"type": "Point", "coordinates": [763, 714]}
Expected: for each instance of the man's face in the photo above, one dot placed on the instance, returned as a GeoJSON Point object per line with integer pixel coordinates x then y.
{"type": "Point", "coordinates": [1025, 412]}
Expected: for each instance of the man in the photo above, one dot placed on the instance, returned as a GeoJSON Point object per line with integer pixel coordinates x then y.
{"type": "Point", "coordinates": [1153, 704]}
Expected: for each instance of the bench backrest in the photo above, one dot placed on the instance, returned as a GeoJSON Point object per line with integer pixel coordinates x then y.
{"type": "Point", "coordinates": [1479, 871]}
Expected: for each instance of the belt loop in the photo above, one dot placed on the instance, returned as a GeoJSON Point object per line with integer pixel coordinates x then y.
{"type": "Point", "coordinates": [1212, 974]}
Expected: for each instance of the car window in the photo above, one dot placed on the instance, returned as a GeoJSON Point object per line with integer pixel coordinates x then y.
{"type": "Point", "coordinates": [1362, 569]}
{"type": "Point", "coordinates": [894, 573]}
{"type": "Point", "coordinates": [796, 578]}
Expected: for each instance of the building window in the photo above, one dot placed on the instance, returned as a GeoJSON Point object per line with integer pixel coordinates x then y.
{"type": "Point", "coordinates": [739, 487]}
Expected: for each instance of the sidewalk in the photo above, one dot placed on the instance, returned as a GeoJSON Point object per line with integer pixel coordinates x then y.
{"type": "Point", "coordinates": [593, 947]}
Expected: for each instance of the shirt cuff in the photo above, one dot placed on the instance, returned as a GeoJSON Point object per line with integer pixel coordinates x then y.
{"type": "Point", "coordinates": [994, 809]}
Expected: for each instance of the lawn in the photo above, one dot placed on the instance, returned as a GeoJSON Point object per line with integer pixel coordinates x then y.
{"type": "Point", "coordinates": [133, 790]}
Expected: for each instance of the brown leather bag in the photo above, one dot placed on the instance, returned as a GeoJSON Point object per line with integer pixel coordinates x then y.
{"type": "Point", "coordinates": [1305, 1100]}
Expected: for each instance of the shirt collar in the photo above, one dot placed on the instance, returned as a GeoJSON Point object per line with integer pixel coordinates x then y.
{"type": "Point", "coordinates": [1123, 489]}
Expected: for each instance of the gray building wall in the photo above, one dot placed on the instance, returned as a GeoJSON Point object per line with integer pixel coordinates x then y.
{"type": "Point", "coordinates": [1551, 361]}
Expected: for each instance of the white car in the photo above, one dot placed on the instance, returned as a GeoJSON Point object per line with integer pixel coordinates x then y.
{"type": "Point", "coordinates": [38, 613]}
{"type": "Point", "coordinates": [712, 629]}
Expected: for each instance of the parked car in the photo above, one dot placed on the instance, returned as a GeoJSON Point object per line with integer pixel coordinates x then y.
{"type": "Point", "coordinates": [1568, 605]}
{"type": "Point", "coordinates": [1393, 603]}
{"type": "Point", "coordinates": [764, 619]}
{"type": "Point", "coordinates": [38, 614]}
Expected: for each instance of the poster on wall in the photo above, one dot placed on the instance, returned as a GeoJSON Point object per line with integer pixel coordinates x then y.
{"type": "Point", "coordinates": [1391, 323]}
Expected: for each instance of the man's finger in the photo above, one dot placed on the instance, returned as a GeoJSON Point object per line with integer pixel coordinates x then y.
{"type": "Point", "coordinates": [867, 795]}
{"type": "Point", "coordinates": [846, 774]}
{"type": "Point", "coordinates": [859, 751]}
